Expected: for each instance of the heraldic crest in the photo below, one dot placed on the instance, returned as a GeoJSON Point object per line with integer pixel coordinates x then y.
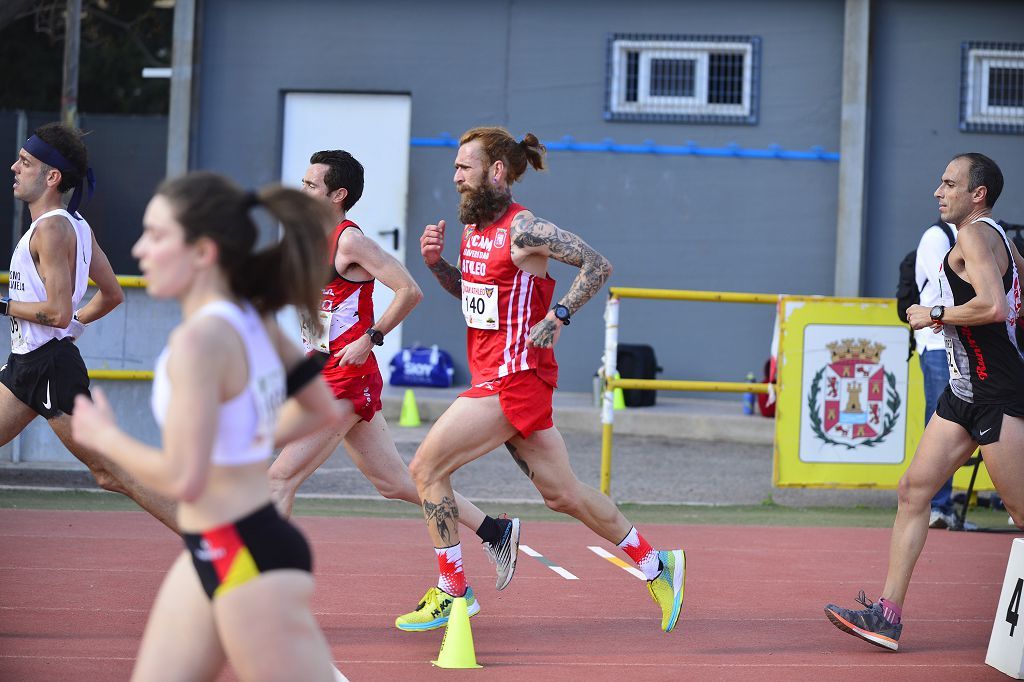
{"type": "Point", "coordinates": [859, 403]}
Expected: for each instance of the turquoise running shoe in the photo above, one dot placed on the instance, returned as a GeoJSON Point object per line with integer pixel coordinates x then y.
{"type": "Point", "coordinates": [667, 589]}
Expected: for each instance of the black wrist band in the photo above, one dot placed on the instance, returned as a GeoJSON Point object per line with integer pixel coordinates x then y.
{"type": "Point", "coordinates": [5, 304]}
{"type": "Point", "coordinates": [304, 372]}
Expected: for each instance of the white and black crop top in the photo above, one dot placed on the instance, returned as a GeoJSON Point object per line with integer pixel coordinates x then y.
{"type": "Point", "coordinates": [245, 425]}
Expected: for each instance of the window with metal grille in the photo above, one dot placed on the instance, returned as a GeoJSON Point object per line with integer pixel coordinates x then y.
{"type": "Point", "coordinates": [992, 87]}
{"type": "Point", "coordinates": [696, 79]}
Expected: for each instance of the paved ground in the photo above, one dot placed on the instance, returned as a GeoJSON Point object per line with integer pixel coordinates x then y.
{"type": "Point", "coordinates": [645, 469]}
{"type": "Point", "coordinates": [73, 607]}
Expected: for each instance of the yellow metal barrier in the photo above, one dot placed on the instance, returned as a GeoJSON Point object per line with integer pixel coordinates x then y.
{"type": "Point", "coordinates": [690, 295]}
{"type": "Point", "coordinates": [611, 344]}
{"type": "Point", "coordinates": [130, 281]}
{"type": "Point", "coordinates": [122, 374]}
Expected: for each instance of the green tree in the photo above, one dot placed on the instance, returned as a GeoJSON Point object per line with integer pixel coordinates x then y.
{"type": "Point", "coordinates": [119, 38]}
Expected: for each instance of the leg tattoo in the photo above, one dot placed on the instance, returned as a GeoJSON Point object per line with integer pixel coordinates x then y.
{"type": "Point", "coordinates": [519, 460]}
{"type": "Point", "coordinates": [445, 516]}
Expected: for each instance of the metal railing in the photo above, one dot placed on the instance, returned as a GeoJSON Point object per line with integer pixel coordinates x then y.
{"type": "Point", "coordinates": [132, 282]}
{"type": "Point", "coordinates": [611, 344]}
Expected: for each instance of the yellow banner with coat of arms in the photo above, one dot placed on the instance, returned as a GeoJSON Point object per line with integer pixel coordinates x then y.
{"type": "Point", "coordinates": [850, 404]}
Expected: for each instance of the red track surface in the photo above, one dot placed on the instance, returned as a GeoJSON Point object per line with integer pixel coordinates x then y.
{"type": "Point", "coordinates": [75, 588]}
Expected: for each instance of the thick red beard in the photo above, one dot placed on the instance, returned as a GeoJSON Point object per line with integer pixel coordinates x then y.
{"type": "Point", "coordinates": [481, 206]}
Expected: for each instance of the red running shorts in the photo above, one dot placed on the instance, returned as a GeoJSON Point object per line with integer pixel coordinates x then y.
{"type": "Point", "coordinates": [363, 391]}
{"type": "Point", "coordinates": [525, 400]}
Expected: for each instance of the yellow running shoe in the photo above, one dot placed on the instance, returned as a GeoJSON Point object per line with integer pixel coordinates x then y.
{"type": "Point", "coordinates": [667, 589]}
{"type": "Point", "coordinates": [434, 609]}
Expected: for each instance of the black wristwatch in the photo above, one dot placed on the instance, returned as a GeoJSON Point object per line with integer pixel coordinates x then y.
{"type": "Point", "coordinates": [5, 303]}
{"type": "Point", "coordinates": [562, 313]}
{"type": "Point", "coordinates": [937, 313]}
{"type": "Point", "coordinates": [375, 336]}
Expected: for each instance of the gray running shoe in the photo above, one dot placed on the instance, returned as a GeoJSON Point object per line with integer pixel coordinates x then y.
{"type": "Point", "coordinates": [869, 624]}
{"type": "Point", "coordinates": [504, 554]}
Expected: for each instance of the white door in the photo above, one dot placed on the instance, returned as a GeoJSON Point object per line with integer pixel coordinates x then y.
{"type": "Point", "coordinates": [375, 130]}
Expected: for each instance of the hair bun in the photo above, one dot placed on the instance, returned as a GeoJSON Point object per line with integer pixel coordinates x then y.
{"type": "Point", "coordinates": [250, 199]}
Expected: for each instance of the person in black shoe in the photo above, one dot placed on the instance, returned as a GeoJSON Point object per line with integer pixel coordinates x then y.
{"type": "Point", "coordinates": [343, 336]}
{"type": "Point", "coordinates": [513, 322]}
{"type": "Point", "coordinates": [932, 248]}
{"type": "Point", "coordinates": [979, 312]}
{"type": "Point", "coordinates": [51, 267]}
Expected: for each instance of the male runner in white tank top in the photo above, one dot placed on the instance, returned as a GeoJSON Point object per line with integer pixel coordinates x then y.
{"type": "Point", "coordinates": [50, 269]}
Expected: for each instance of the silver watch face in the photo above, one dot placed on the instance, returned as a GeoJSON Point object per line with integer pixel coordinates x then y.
{"type": "Point", "coordinates": [937, 312]}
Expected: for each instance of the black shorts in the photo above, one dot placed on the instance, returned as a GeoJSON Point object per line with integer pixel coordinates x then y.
{"type": "Point", "coordinates": [48, 378]}
{"type": "Point", "coordinates": [232, 555]}
{"type": "Point", "coordinates": [983, 422]}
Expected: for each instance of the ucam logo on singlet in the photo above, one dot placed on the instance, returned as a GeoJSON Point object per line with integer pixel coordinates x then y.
{"type": "Point", "coordinates": [854, 395]}
{"type": "Point", "coordinates": [476, 252]}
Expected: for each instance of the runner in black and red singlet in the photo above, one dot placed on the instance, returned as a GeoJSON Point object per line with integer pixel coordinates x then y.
{"type": "Point", "coordinates": [506, 293]}
{"type": "Point", "coordinates": [980, 314]}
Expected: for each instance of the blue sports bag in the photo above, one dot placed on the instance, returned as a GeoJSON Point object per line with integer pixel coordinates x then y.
{"type": "Point", "coordinates": [422, 366]}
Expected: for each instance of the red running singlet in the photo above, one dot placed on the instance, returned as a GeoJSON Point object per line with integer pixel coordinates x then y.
{"type": "Point", "coordinates": [346, 312]}
{"type": "Point", "coordinates": [501, 304]}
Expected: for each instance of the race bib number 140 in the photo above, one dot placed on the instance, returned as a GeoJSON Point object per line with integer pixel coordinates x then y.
{"type": "Point", "coordinates": [480, 305]}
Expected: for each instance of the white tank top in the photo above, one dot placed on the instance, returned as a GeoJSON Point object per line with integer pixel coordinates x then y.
{"type": "Point", "coordinates": [245, 428]}
{"type": "Point", "coordinates": [25, 285]}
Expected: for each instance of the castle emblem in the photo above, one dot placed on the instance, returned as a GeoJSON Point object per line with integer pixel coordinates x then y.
{"type": "Point", "coordinates": [853, 400]}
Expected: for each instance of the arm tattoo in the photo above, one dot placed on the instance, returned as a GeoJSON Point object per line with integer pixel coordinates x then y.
{"type": "Point", "coordinates": [519, 460]}
{"type": "Point", "coordinates": [449, 276]}
{"type": "Point", "coordinates": [543, 333]}
{"type": "Point", "coordinates": [43, 318]}
{"type": "Point", "coordinates": [569, 249]}
{"type": "Point", "coordinates": [445, 516]}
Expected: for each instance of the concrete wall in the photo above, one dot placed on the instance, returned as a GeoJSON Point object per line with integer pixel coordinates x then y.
{"type": "Point", "coordinates": [915, 100]}
{"type": "Point", "coordinates": [673, 222]}
{"type": "Point", "coordinates": [665, 221]}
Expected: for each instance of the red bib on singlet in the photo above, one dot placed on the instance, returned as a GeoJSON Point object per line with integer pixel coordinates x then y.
{"type": "Point", "coordinates": [346, 312]}
{"type": "Point", "coordinates": [501, 304]}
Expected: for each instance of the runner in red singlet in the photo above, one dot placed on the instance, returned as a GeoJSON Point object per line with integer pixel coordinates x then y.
{"type": "Point", "coordinates": [981, 318]}
{"type": "Point", "coordinates": [506, 293]}
{"type": "Point", "coordinates": [345, 333]}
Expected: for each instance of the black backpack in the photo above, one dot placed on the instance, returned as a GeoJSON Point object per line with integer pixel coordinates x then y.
{"type": "Point", "coordinates": [1017, 239]}
{"type": "Point", "coordinates": [907, 293]}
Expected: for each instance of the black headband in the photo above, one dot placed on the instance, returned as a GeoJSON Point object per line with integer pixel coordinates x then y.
{"type": "Point", "coordinates": [51, 157]}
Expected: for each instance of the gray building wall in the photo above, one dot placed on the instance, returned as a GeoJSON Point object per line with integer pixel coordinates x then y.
{"type": "Point", "coordinates": [669, 222]}
{"type": "Point", "coordinates": [915, 100]}
{"type": "Point", "coordinates": [665, 221]}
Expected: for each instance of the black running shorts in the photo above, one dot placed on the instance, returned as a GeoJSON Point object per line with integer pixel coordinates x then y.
{"type": "Point", "coordinates": [233, 554]}
{"type": "Point", "coordinates": [983, 422]}
{"type": "Point", "coordinates": [48, 378]}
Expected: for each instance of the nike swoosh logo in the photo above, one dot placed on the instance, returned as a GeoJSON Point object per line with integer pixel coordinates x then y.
{"type": "Point", "coordinates": [982, 433]}
{"type": "Point", "coordinates": [46, 403]}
